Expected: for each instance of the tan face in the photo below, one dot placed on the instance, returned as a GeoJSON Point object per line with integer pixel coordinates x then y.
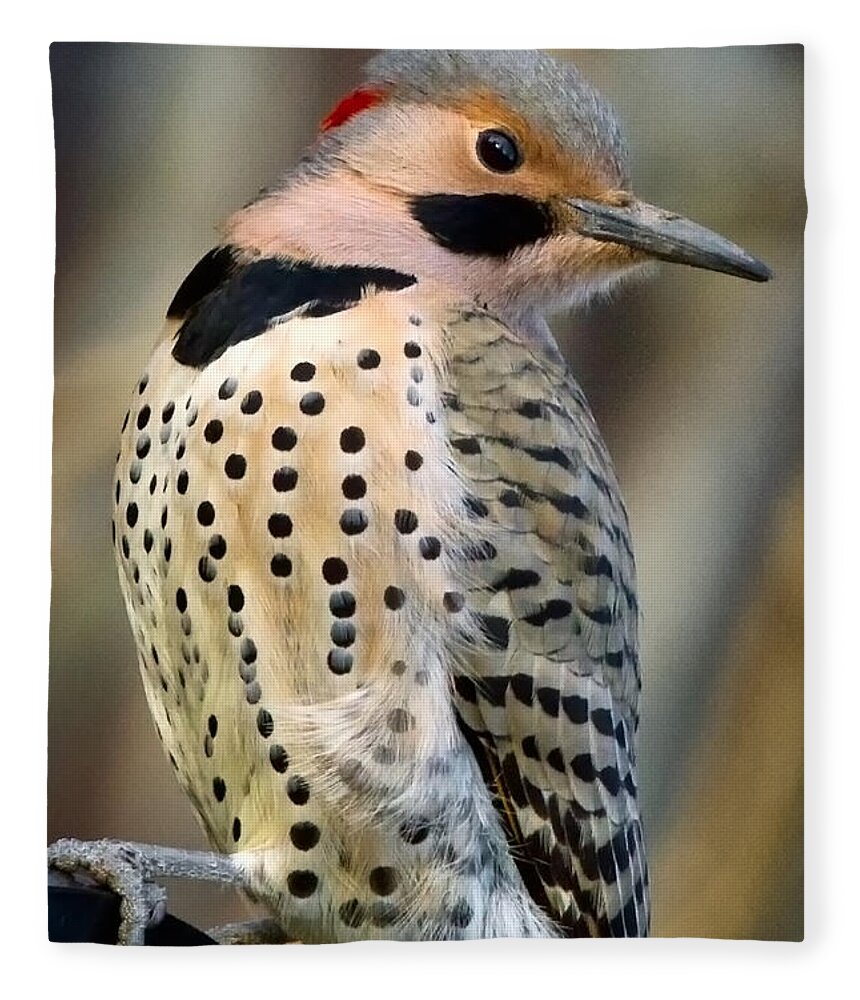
{"type": "Point", "coordinates": [422, 149]}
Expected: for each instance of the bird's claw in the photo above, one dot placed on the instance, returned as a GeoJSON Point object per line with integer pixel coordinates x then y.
{"type": "Point", "coordinates": [264, 931]}
{"type": "Point", "coordinates": [123, 869]}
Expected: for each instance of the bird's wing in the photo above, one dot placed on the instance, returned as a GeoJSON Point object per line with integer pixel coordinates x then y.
{"type": "Point", "coordinates": [548, 696]}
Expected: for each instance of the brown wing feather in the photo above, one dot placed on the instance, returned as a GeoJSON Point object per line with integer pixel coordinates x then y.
{"type": "Point", "coordinates": [550, 693]}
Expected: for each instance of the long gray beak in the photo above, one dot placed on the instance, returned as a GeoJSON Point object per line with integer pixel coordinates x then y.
{"type": "Point", "coordinates": [666, 236]}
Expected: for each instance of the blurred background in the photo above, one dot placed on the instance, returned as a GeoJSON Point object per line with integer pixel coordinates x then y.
{"type": "Point", "coordinates": [696, 380]}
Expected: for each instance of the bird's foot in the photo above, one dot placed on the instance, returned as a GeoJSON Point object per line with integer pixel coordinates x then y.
{"type": "Point", "coordinates": [130, 871]}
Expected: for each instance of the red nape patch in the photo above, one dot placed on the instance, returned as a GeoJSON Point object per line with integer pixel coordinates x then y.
{"type": "Point", "coordinates": [352, 104]}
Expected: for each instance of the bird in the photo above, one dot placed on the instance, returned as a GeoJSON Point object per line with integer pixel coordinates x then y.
{"type": "Point", "coordinates": [372, 547]}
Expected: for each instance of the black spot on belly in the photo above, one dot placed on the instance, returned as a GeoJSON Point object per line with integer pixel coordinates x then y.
{"type": "Point", "coordinates": [334, 570]}
{"type": "Point", "coordinates": [352, 440]}
{"type": "Point", "coordinates": [213, 431]}
{"type": "Point", "coordinates": [342, 634]}
{"type": "Point", "coordinates": [406, 521]}
{"type": "Point", "coordinates": [394, 598]}
{"type": "Point", "coordinates": [304, 371]}
{"type": "Point", "coordinates": [302, 884]}
{"type": "Point", "coordinates": [339, 661]}
{"type": "Point", "coordinates": [298, 790]}
{"type": "Point", "coordinates": [223, 302]}
{"type": "Point", "coordinates": [284, 438]}
{"type": "Point", "coordinates": [207, 569]}
{"type": "Point", "coordinates": [304, 835]}
{"type": "Point", "coordinates": [205, 514]}
{"type": "Point", "coordinates": [368, 358]}
{"type": "Point", "coordinates": [383, 880]}
{"type": "Point", "coordinates": [354, 487]}
{"type": "Point", "coordinates": [235, 598]}
{"type": "Point", "coordinates": [278, 758]}
{"type": "Point", "coordinates": [280, 525]}
{"type": "Point", "coordinates": [353, 521]}
{"type": "Point", "coordinates": [312, 403]}
{"type": "Point", "coordinates": [429, 547]}
{"type": "Point", "coordinates": [342, 604]}
{"type": "Point", "coordinates": [265, 723]}
{"type": "Point", "coordinates": [235, 466]}
{"type": "Point", "coordinates": [252, 402]}
{"type": "Point", "coordinates": [285, 479]}
{"type": "Point", "coordinates": [281, 565]}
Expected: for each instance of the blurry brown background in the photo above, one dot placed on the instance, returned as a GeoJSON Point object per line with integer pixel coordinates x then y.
{"type": "Point", "coordinates": [696, 380]}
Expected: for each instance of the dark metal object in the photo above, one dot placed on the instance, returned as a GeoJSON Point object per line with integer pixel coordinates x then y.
{"type": "Point", "coordinates": [81, 913]}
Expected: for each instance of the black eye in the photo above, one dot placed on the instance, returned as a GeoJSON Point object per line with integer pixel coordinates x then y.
{"type": "Point", "coordinates": [497, 151]}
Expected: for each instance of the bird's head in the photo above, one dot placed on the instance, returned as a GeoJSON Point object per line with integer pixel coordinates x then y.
{"type": "Point", "coordinates": [501, 174]}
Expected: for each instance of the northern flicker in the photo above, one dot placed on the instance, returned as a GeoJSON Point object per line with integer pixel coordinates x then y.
{"type": "Point", "coordinates": [370, 541]}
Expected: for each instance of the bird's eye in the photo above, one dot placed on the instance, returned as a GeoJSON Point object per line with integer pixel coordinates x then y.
{"type": "Point", "coordinates": [498, 151]}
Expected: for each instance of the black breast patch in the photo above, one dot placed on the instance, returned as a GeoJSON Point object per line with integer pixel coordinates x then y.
{"type": "Point", "coordinates": [224, 302]}
{"type": "Point", "coordinates": [488, 225]}
{"type": "Point", "coordinates": [206, 275]}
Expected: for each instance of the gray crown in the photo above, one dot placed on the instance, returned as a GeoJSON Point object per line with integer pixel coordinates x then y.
{"type": "Point", "coordinates": [552, 94]}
